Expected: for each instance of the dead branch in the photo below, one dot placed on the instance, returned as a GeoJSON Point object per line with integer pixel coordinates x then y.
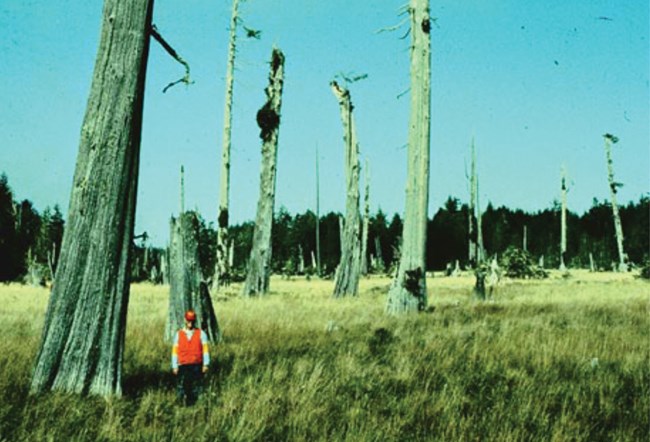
{"type": "Point", "coordinates": [171, 51]}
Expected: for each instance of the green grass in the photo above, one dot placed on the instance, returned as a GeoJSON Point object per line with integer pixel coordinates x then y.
{"type": "Point", "coordinates": [559, 359]}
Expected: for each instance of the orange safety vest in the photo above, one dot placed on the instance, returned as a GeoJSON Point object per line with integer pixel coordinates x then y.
{"type": "Point", "coordinates": [190, 351]}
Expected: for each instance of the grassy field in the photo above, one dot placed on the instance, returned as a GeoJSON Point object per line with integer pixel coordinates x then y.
{"type": "Point", "coordinates": [559, 359]}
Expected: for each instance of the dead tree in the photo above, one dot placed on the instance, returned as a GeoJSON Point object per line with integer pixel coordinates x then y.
{"type": "Point", "coordinates": [318, 267]}
{"type": "Point", "coordinates": [346, 279]}
{"type": "Point", "coordinates": [82, 345]}
{"type": "Point", "coordinates": [408, 292]}
{"type": "Point", "coordinates": [471, 218]}
{"type": "Point", "coordinates": [268, 119]}
{"type": "Point", "coordinates": [613, 188]}
{"type": "Point", "coordinates": [187, 288]}
{"type": "Point", "coordinates": [379, 259]}
{"type": "Point", "coordinates": [563, 227]}
{"type": "Point", "coordinates": [366, 222]}
{"type": "Point", "coordinates": [222, 267]}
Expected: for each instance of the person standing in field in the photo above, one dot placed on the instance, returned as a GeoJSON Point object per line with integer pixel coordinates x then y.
{"type": "Point", "coordinates": [190, 359]}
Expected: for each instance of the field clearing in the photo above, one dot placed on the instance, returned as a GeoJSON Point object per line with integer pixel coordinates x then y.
{"type": "Point", "coordinates": [558, 359]}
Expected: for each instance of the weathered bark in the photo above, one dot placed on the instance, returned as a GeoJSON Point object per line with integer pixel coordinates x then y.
{"type": "Point", "coordinates": [563, 222]}
{"type": "Point", "coordinates": [82, 345]}
{"type": "Point", "coordinates": [408, 292]}
{"type": "Point", "coordinates": [268, 119]}
{"type": "Point", "coordinates": [613, 186]}
{"type": "Point", "coordinates": [366, 222]}
{"type": "Point", "coordinates": [222, 263]}
{"type": "Point", "coordinates": [187, 289]}
{"type": "Point", "coordinates": [346, 279]}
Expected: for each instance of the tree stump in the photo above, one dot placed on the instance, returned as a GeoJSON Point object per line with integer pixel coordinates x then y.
{"type": "Point", "coordinates": [187, 288]}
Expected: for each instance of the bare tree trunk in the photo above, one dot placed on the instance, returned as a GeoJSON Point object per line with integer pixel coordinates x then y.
{"type": "Point", "coordinates": [622, 261]}
{"type": "Point", "coordinates": [472, 209]}
{"type": "Point", "coordinates": [222, 268]}
{"type": "Point", "coordinates": [82, 344]}
{"type": "Point", "coordinates": [346, 279]}
{"type": "Point", "coordinates": [525, 240]}
{"type": "Point", "coordinates": [480, 250]}
{"type": "Point", "coordinates": [318, 267]}
{"type": "Point", "coordinates": [563, 223]}
{"type": "Point", "coordinates": [187, 289]}
{"type": "Point", "coordinates": [381, 267]}
{"type": "Point", "coordinates": [366, 222]}
{"type": "Point", "coordinates": [408, 292]}
{"type": "Point", "coordinates": [268, 118]}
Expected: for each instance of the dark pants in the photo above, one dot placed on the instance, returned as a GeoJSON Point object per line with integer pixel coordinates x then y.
{"type": "Point", "coordinates": [188, 383]}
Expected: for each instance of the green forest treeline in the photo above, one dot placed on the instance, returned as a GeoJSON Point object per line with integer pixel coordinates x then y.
{"type": "Point", "coordinates": [29, 239]}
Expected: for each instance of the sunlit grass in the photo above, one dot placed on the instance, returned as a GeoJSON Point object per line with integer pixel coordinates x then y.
{"type": "Point", "coordinates": [560, 359]}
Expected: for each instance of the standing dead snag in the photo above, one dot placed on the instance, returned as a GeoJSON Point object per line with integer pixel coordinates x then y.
{"type": "Point", "coordinates": [346, 280]}
{"type": "Point", "coordinates": [366, 222]}
{"type": "Point", "coordinates": [613, 188]}
{"type": "Point", "coordinates": [268, 119]}
{"type": "Point", "coordinates": [563, 189]}
{"type": "Point", "coordinates": [408, 292]}
{"type": "Point", "coordinates": [82, 345]}
{"type": "Point", "coordinates": [187, 288]}
{"type": "Point", "coordinates": [222, 267]}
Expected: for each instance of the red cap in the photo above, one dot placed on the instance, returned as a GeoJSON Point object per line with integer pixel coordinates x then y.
{"type": "Point", "coordinates": [190, 315]}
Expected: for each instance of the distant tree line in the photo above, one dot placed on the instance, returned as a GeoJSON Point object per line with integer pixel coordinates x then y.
{"type": "Point", "coordinates": [30, 240]}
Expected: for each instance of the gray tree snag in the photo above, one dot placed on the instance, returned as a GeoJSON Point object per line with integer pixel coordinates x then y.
{"type": "Point", "coordinates": [563, 227]}
{"type": "Point", "coordinates": [187, 287]}
{"type": "Point", "coordinates": [613, 188]}
{"type": "Point", "coordinates": [268, 119]}
{"type": "Point", "coordinates": [82, 345]}
{"type": "Point", "coordinates": [471, 218]}
{"type": "Point", "coordinates": [318, 267]}
{"type": "Point", "coordinates": [408, 292]}
{"type": "Point", "coordinates": [380, 266]}
{"type": "Point", "coordinates": [222, 262]}
{"type": "Point", "coordinates": [346, 278]}
{"type": "Point", "coordinates": [480, 249]}
{"type": "Point", "coordinates": [366, 221]}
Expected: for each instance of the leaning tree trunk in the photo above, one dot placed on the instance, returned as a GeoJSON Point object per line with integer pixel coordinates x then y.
{"type": "Point", "coordinates": [366, 223]}
{"type": "Point", "coordinates": [268, 119]}
{"type": "Point", "coordinates": [408, 292]}
{"type": "Point", "coordinates": [222, 262]}
{"type": "Point", "coordinates": [346, 280]}
{"type": "Point", "coordinates": [622, 262]}
{"type": "Point", "coordinates": [82, 345]}
{"type": "Point", "coordinates": [563, 223]}
{"type": "Point", "coordinates": [187, 289]}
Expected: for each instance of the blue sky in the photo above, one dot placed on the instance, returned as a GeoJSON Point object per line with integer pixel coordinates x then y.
{"type": "Point", "coordinates": [536, 83]}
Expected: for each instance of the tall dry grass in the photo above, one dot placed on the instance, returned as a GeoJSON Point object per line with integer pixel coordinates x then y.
{"type": "Point", "coordinates": [560, 359]}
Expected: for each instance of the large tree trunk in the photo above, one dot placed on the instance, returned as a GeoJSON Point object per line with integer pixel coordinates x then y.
{"type": "Point", "coordinates": [222, 262]}
{"type": "Point", "coordinates": [187, 288]}
{"type": "Point", "coordinates": [563, 223]}
{"type": "Point", "coordinates": [83, 338]}
{"type": "Point", "coordinates": [622, 262]}
{"type": "Point", "coordinates": [408, 292]}
{"type": "Point", "coordinates": [346, 279]}
{"type": "Point", "coordinates": [268, 118]}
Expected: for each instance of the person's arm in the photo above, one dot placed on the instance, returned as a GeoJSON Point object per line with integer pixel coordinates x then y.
{"type": "Point", "coordinates": [175, 354]}
{"type": "Point", "coordinates": [206, 351]}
